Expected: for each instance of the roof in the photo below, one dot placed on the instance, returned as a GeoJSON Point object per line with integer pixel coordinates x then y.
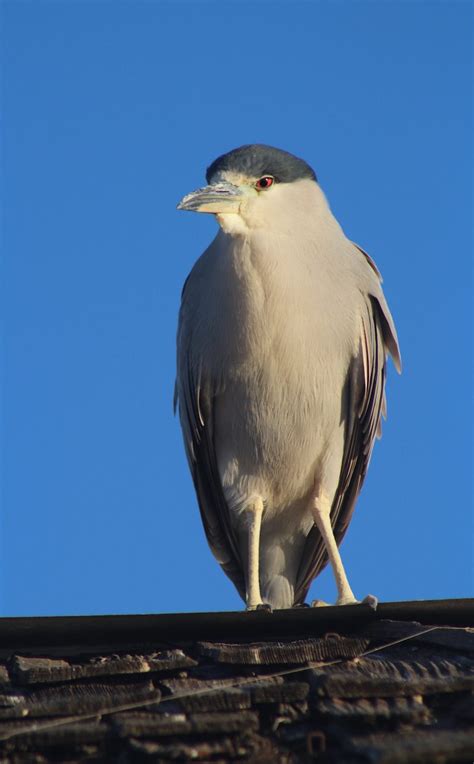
{"type": "Point", "coordinates": [328, 684]}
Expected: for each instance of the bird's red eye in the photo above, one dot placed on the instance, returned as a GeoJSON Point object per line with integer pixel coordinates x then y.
{"type": "Point", "coordinates": [265, 182]}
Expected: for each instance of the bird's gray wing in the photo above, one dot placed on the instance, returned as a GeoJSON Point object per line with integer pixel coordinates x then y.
{"type": "Point", "coordinates": [365, 406]}
{"type": "Point", "coordinates": [195, 395]}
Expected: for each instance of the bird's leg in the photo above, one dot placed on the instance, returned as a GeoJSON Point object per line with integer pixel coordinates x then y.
{"type": "Point", "coordinates": [254, 521]}
{"type": "Point", "coordinates": [321, 512]}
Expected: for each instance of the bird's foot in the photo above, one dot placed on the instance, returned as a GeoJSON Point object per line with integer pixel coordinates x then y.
{"type": "Point", "coordinates": [320, 603]}
{"type": "Point", "coordinates": [347, 599]}
{"type": "Point", "coordinates": [300, 605]}
{"type": "Point", "coordinates": [369, 600]}
{"type": "Point", "coordinates": [260, 606]}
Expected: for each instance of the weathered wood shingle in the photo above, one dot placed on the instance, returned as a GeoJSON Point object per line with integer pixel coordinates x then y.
{"type": "Point", "coordinates": [284, 653]}
{"type": "Point", "coordinates": [32, 670]}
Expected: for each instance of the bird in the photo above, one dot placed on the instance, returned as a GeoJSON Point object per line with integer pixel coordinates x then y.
{"type": "Point", "coordinates": [282, 345]}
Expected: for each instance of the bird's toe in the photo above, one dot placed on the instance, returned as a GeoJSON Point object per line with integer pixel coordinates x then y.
{"type": "Point", "coordinates": [370, 600]}
{"type": "Point", "coordinates": [260, 606]}
{"type": "Point", "coordinates": [265, 607]}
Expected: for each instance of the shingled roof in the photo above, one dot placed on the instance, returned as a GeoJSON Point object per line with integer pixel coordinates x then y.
{"type": "Point", "coordinates": [329, 685]}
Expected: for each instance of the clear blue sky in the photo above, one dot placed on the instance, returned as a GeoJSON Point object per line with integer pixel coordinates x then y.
{"type": "Point", "coordinates": [112, 112]}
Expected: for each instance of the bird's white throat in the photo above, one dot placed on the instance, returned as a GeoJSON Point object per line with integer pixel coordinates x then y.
{"type": "Point", "coordinates": [232, 224]}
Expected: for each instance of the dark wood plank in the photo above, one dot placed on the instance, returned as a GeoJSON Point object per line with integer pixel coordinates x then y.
{"type": "Point", "coordinates": [82, 698]}
{"type": "Point", "coordinates": [152, 725]}
{"type": "Point", "coordinates": [376, 677]}
{"type": "Point", "coordinates": [423, 746]}
{"type": "Point", "coordinates": [206, 695]}
{"type": "Point", "coordinates": [284, 653]}
{"type": "Point", "coordinates": [406, 709]}
{"type": "Point", "coordinates": [26, 670]}
{"type": "Point", "coordinates": [452, 638]}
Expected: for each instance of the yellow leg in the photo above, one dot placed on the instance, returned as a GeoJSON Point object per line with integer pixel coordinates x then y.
{"type": "Point", "coordinates": [254, 520]}
{"type": "Point", "coordinates": [321, 513]}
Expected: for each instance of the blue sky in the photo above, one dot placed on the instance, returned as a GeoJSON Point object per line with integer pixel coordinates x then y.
{"type": "Point", "coordinates": [112, 111]}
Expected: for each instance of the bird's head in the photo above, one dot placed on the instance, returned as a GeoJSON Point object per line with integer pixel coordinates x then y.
{"type": "Point", "coordinates": [253, 186]}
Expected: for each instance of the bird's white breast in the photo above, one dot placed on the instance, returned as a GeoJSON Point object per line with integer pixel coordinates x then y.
{"type": "Point", "coordinates": [278, 339]}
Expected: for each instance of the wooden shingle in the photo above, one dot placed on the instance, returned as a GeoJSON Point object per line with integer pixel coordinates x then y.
{"type": "Point", "coordinates": [284, 653]}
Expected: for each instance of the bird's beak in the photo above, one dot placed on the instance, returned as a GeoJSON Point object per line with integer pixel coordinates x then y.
{"type": "Point", "coordinates": [218, 198]}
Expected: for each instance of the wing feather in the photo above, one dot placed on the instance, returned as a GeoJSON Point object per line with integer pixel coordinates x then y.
{"type": "Point", "coordinates": [365, 396]}
{"type": "Point", "coordinates": [195, 397]}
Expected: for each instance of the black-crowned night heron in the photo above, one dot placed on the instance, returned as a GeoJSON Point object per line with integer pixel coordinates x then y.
{"type": "Point", "coordinates": [282, 344]}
